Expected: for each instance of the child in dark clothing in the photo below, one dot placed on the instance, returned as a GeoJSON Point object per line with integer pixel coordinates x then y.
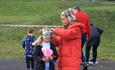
{"type": "Point", "coordinates": [93, 42]}
{"type": "Point", "coordinates": [45, 53]}
{"type": "Point", "coordinates": [27, 45]}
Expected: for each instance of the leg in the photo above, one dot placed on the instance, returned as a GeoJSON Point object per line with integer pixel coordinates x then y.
{"type": "Point", "coordinates": [87, 53]}
{"type": "Point", "coordinates": [83, 57]}
{"type": "Point", "coordinates": [51, 65]}
{"type": "Point", "coordinates": [83, 42]}
{"type": "Point", "coordinates": [32, 63]}
{"type": "Point", "coordinates": [27, 62]}
{"type": "Point", "coordinates": [88, 47]}
{"type": "Point", "coordinates": [94, 53]}
{"type": "Point", "coordinates": [95, 46]}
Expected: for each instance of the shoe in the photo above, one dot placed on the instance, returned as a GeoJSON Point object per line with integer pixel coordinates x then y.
{"type": "Point", "coordinates": [97, 62]}
{"type": "Point", "coordinates": [85, 68]}
{"type": "Point", "coordinates": [93, 63]}
{"type": "Point", "coordinates": [84, 63]}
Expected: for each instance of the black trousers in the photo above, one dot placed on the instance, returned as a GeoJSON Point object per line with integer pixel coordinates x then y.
{"type": "Point", "coordinates": [94, 43]}
{"type": "Point", "coordinates": [29, 62]}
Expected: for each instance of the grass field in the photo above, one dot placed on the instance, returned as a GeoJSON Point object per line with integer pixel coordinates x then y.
{"type": "Point", "coordinates": [48, 12]}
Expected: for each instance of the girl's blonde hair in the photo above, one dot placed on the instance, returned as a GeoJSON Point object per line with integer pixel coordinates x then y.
{"type": "Point", "coordinates": [40, 38]}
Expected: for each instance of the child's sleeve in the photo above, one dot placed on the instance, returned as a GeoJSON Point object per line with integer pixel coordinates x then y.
{"type": "Point", "coordinates": [33, 40]}
{"type": "Point", "coordinates": [55, 54]}
{"type": "Point", "coordinates": [23, 42]}
{"type": "Point", "coordinates": [36, 54]}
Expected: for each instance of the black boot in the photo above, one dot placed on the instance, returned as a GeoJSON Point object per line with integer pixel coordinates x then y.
{"type": "Point", "coordinates": [85, 68]}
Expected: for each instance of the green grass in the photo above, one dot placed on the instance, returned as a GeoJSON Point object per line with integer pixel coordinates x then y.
{"type": "Point", "coordinates": [48, 12]}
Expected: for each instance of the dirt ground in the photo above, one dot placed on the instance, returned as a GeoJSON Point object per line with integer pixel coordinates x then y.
{"type": "Point", "coordinates": [20, 65]}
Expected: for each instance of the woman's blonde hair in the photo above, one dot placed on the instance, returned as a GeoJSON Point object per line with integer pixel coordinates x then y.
{"type": "Point", "coordinates": [69, 15]}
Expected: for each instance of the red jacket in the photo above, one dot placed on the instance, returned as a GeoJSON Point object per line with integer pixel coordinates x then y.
{"type": "Point", "coordinates": [69, 46]}
{"type": "Point", "coordinates": [83, 18]}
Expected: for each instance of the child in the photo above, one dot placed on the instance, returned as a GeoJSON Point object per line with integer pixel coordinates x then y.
{"type": "Point", "coordinates": [45, 53]}
{"type": "Point", "coordinates": [27, 45]}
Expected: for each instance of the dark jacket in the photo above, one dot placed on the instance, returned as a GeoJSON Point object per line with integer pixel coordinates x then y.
{"type": "Point", "coordinates": [94, 38]}
{"type": "Point", "coordinates": [27, 44]}
{"type": "Point", "coordinates": [37, 55]}
{"type": "Point", "coordinates": [95, 31]}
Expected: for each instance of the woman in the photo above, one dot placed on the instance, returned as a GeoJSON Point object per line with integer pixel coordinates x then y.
{"type": "Point", "coordinates": [93, 43]}
{"type": "Point", "coordinates": [83, 17]}
{"type": "Point", "coordinates": [68, 41]}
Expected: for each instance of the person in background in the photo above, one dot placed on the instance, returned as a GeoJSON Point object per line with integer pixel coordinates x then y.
{"type": "Point", "coordinates": [93, 43]}
{"type": "Point", "coordinates": [27, 45]}
{"type": "Point", "coordinates": [68, 41]}
{"type": "Point", "coordinates": [45, 53]}
{"type": "Point", "coordinates": [83, 18]}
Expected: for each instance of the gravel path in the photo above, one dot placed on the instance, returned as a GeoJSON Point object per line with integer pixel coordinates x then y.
{"type": "Point", "coordinates": [20, 65]}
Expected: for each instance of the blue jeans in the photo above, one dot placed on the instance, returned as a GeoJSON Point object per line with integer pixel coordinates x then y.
{"type": "Point", "coordinates": [84, 37]}
{"type": "Point", "coordinates": [46, 65]}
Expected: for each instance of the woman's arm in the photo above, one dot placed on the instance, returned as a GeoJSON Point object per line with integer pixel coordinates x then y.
{"type": "Point", "coordinates": [56, 40]}
{"type": "Point", "coordinates": [68, 33]}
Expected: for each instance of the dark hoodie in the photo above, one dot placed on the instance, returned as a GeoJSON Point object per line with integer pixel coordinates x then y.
{"type": "Point", "coordinates": [95, 31]}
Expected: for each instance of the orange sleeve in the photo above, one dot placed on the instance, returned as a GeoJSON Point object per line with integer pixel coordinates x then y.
{"type": "Point", "coordinates": [67, 33]}
{"type": "Point", "coordinates": [56, 41]}
{"type": "Point", "coordinates": [88, 28]}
